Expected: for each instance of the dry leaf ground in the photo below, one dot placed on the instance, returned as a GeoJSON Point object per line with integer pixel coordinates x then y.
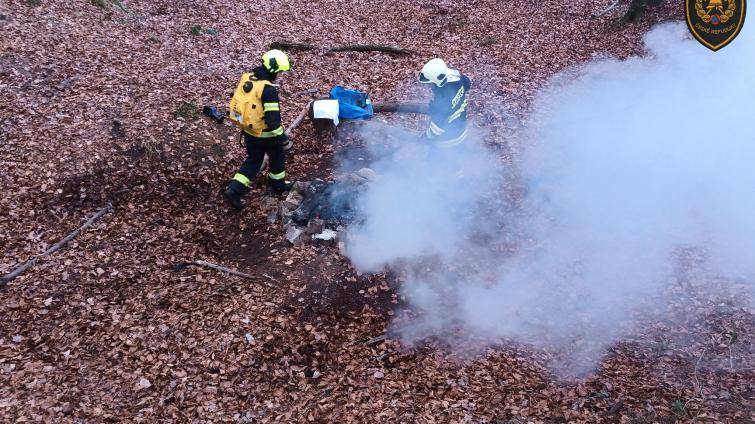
{"type": "Point", "coordinates": [107, 330]}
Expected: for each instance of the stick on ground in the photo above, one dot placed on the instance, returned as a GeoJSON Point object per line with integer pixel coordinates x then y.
{"type": "Point", "coordinates": [376, 340]}
{"type": "Point", "coordinates": [284, 45]}
{"type": "Point", "coordinates": [370, 48]}
{"type": "Point", "coordinates": [55, 247]}
{"type": "Point", "coordinates": [272, 279]}
{"type": "Point", "coordinates": [606, 10]}
{"type": "Point", "coordinates": [210, 265]}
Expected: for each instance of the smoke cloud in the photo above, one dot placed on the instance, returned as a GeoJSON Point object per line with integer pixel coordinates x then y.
{"type": "Point", "coordinates": [624, 163]}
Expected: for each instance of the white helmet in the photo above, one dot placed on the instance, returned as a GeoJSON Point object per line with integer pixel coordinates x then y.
{"type": "Point", "coordinates": [435, 71]}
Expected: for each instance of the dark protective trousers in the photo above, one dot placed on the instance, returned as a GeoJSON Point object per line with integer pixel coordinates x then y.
{"type": "Point", "coordinates": [256, 148]}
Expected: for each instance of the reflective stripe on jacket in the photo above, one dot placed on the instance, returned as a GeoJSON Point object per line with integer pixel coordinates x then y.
{"type": "Point", "coordinates": [270, 102]}
{"type": "Point", "coordinates": [448, 110]}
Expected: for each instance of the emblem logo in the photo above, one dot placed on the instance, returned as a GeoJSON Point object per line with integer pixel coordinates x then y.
{"type": "Point", "coordinates": [715, 23]}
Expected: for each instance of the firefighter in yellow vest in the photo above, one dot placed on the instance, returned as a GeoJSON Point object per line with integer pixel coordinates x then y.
{"type": "Point", "coordinates": [255, 108]}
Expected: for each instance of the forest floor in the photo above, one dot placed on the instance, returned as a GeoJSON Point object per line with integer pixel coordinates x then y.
{"type": "Point", "coordinates": [98, 104]}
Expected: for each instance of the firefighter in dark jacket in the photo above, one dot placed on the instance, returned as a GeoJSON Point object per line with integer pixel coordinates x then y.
{"type": "Point", "coordinates": [448, 108]}
{"type": "Point", "coordinates": [255, 108]}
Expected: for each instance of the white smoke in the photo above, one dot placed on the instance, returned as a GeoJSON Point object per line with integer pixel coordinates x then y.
{"type": "Point", "coordinates": [625, 162]}
{"type": "Point", "coordinates": [419, 207]}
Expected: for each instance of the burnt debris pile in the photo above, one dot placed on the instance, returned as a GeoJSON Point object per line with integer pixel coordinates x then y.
{"type": "Point", "coordinates": [319, 211]}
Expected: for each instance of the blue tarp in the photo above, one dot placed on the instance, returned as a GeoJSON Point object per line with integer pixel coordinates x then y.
{"type": "Point", "coordinates": [352, 104]}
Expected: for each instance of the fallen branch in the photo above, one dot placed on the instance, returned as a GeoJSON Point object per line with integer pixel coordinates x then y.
{"type": "Point", "coordinates": [400, 107]}
{"type": "Point", "coordinates": [606, 10]}
{"type": "Point", "coordinates": [370, 48]}
{"type": "Point", "coordinates": [55, 247]}
{"type": "Point", "coordinates": [376, 340]}
{"type": "Point", "coordinates": [222, 268]}
{"type": "Point", "coordinates": [272, 279]}
{"type": "Point", "coordinates": [210, 265]}
{"type": "Point", "coordinates": [121, 6]}
{"type": "Point", "coordinates": [284, 45]}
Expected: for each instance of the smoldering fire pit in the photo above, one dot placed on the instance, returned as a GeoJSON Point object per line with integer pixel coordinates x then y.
{"type": "Point", "coordinates": [318, 211]}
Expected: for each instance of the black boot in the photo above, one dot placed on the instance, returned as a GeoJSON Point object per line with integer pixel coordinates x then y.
{"type": "Point", "coordinates": [233, 194]}
{"type": "Point", "coordinates": [280, 186]}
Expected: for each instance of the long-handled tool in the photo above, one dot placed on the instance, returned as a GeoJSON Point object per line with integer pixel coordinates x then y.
{"type": "Point", "coordinates": [295, 123]}
{"type": "Point", "coordinates": [289, 144]}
